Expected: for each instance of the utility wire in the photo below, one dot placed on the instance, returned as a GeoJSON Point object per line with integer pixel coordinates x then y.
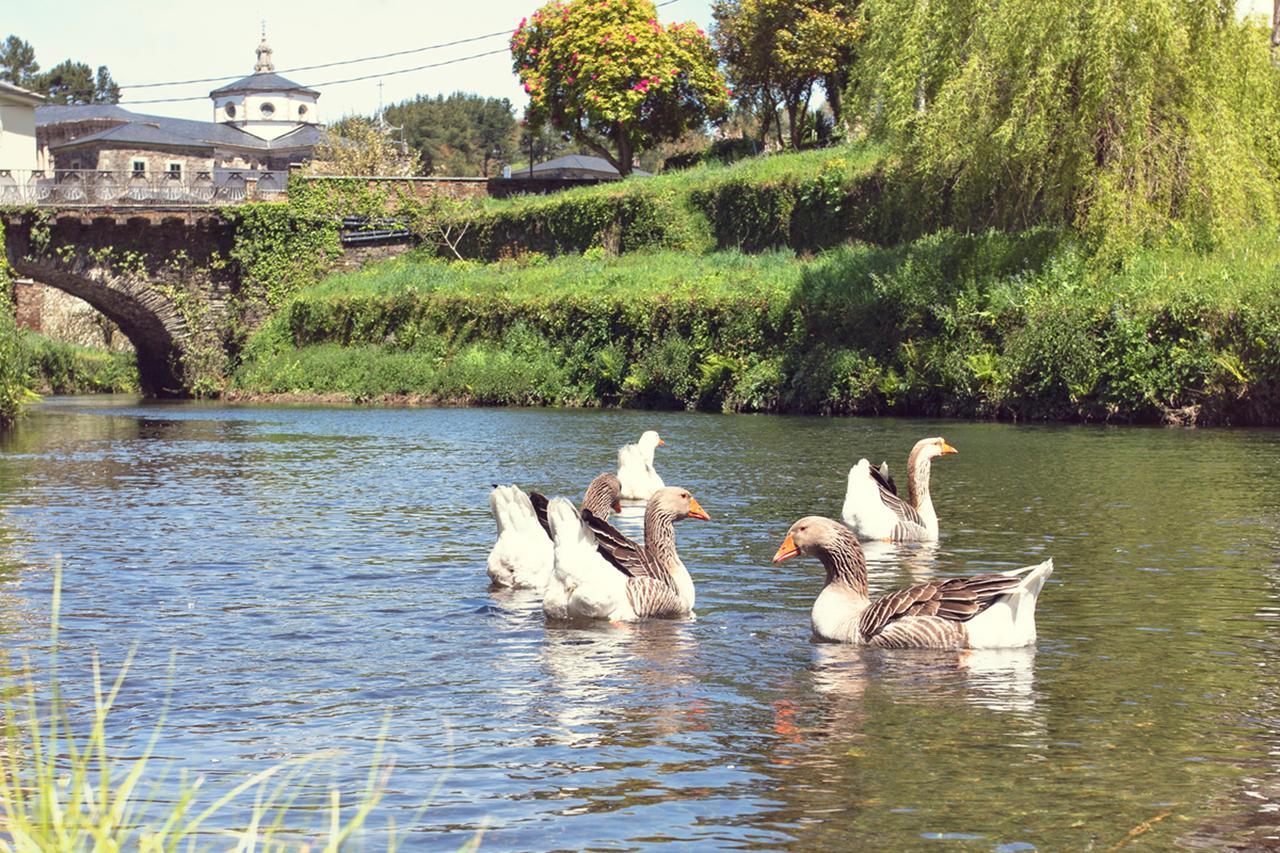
{"type": "Point", "coordinates": [379, 75]}
{"type": "Point", "coordinates": [322, 65]}
{"type": "Point", "coordinates": [334, 65]}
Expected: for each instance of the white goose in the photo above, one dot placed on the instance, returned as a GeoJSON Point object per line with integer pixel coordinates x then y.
{"type": "Point", "coordinates": [992, 611]}
{"type": "Point", "coordinates": [635, 467]}
{"type": "Point", "coordinates": [601, 574]}
{"type": "Point", "coordinates": [523, 555]}
{"type": "Point", "coordinates": [522, 558]}
{"type": "Point", "coordinates": [872, 508]}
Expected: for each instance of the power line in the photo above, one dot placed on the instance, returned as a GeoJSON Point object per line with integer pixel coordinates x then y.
{"type": "Point", "coordinates": [340, 82]}
{"type": "Point", "coordinates": [321, 65]}
{"type": "Point", "coordinates": [334, 64]}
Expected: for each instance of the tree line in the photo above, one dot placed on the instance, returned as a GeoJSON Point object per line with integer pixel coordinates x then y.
{"type": "Point", "coordinates": [68, 82]}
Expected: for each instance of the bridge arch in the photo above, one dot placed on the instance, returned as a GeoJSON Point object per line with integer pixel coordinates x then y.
{"type": "Point", "coordinates": [147, 317]}
{"type": "Point", "coordinates": [153, 276]}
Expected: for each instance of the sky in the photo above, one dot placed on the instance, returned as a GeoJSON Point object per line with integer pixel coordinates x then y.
{"type": "Point", "coordinates": [145, 41]}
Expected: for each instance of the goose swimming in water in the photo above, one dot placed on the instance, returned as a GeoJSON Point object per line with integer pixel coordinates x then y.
{"type": "Point", "coordinates": [601, 574]}
{"type": "Point", "coordinates": [873, 509]}
{"type": "Point", "coordinates": [990, 611]}
{"type": "Point", "coordinates": [635, 467]}
{"type": "Point", "coordinates": [523, 556]}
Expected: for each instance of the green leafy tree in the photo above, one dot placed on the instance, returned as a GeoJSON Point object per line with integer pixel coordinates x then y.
{"type": "Point", "coordinates": [71, 82]}
{"type": "Point", "coordinates": [1124, 118]}
{"type": "Point", "coordinates": [610, 75]}
{"type": "Point", "coordinates": [777, 51]}
{"type": "Point", "coordinates": [358, 146]}
{"type": "Point", "coordinates": [18, 62]}
{"type": "Point", "coordinates": [461, 134]}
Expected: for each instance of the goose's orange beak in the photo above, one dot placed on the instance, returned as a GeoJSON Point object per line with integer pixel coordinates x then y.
{"type": "Point", "coordinates": [946, 448]}
{"type": "Point", "coordinates": [617, 506]}
{"type": "Point", "coordinates": [661, 442]}
{"type": "Point", "coordinates": [696, 510]}
{"type": "Point", "coordinates": [786, 550]}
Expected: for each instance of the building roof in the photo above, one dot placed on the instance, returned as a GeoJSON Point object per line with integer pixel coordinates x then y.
{"type": "Point", "coordinates": [163, 130]}
{"type": "Point", "coordinates": [136, 133]}
{"type": "Point", "coordinates": [574, 162]}
{"type": "Point", "coordinates": [18, 93]}
{"type": "Point", "coordinates": [263, 81]}
{"type": "Point", "coordinates": [59, 113]}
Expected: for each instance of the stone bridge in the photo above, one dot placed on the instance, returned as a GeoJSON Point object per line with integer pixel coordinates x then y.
{"type": "Point", "coordinates": [162, 277]}
{"type": "Point", "coordinates": [165, 277]}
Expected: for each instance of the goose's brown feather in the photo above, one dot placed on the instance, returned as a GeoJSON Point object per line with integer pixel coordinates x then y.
{"type": "Point", "coordinates": [954, 600]}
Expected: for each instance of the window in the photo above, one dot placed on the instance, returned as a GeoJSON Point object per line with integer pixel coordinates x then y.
{"type": "Point", "coordinates": [302, 110]}
{"type": "Point", "coordinates": [75, 165]}
{"type": "Point", "coordinates": [175, 168]}
{"type": "Point", "coordinates": [268, 110]}
{"type": "Point", "coordinates": [230, 108]}
{"type": "Point", "coordinates": [139, 167]}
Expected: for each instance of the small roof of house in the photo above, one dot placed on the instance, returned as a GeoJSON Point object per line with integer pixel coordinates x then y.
{"type": "Point", "coordinates": [20, 94]}
{"type": "Point", "coordinates": [263, 81]}
{"type": "Point", "coordinates": [574, 162]}
{"type": "Point", "coordinates": [164, 130]}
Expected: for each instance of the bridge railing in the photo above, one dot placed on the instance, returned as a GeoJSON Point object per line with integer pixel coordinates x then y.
{"type": "Point", "coordinates": [105, 188]}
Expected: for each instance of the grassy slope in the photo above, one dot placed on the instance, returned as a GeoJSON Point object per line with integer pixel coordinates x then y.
{"type": "Point", "coordinates": [994, 324]}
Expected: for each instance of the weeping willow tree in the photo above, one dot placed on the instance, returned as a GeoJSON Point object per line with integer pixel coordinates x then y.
{"type": "Point", "coordinates": [1129, 120]}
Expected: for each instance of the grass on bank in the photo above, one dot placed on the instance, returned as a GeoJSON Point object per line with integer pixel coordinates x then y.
{"type": "Point", "coordinates": [65, 787]}
{"type": "Point", "coordinates": [995, 324]}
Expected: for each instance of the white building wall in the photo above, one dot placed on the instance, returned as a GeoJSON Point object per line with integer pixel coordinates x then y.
{"type": "Point", "coordinates": [17, 135]}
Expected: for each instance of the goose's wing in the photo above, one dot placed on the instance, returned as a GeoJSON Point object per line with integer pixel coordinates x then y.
{"type": "Point", "coordinates": [952, 600]}
{"type": "Point", "coordinates": [883, 480]}
{"type": "Point", "coordinates": [616, 547]}
{"type": "Point", "coordinates": [539, 501]}
{"type": "Point", "coordinates": [889, 497]}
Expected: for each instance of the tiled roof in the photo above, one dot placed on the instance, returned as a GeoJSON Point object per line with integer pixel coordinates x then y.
{"type": "Point", "coordinates": [136, 132]}
{"type": "Point", "coordinates": [263, 81]}
{"type": "Point", "coordinates": [175, 131]}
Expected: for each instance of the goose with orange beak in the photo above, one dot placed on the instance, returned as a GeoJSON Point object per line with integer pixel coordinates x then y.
{"type": "Point", "coordinates": [990, 611]}
{"type": "Point", "coordinates": [874, 511]}
{"type": "Point", "coordinates": [602, 574]}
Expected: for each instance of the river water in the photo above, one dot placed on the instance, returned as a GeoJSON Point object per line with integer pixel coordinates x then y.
{"type": "Point", "coordinates": [298, 579]}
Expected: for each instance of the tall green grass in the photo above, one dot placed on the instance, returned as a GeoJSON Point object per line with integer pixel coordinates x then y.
{"type": "Point", "coordinates": [1022, 325]}
{"type": "Point", "coordinates": [56, 367]}
{"type": "Point", "coordinates": [65, 787]}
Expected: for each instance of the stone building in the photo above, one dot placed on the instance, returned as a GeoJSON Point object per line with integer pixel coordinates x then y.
{"type": "Point", "coordinates": [262, 123]}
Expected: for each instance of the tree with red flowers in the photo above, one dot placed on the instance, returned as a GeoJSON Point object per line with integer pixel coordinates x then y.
{"type": "Point", "coordinates": [608, 73]}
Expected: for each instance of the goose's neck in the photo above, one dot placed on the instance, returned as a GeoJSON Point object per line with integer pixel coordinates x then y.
{"type": "Point", "coordinates": [918, 469]}
{"type": "Point", "coordinates": [660, 538]}
{"type": "Point", "coordinates": [845, 564]}
{"type": "Point", "coordinates": [598, 499]}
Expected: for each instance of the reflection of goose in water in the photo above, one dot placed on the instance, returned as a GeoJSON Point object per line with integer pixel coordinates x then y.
{"type": "Point", "coordinates": [1000, 679]}
{"type": "Point", "coordinates": [884, 559]}
{"type": "Point", "coordinates": [605, 680]}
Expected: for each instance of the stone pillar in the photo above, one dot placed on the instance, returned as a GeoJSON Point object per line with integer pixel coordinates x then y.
{"type": "Point", "coordinates": [29, 304]}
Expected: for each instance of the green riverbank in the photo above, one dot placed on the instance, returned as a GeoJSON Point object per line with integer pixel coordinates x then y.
{"type": "Point", "coordinates": [991, 325]}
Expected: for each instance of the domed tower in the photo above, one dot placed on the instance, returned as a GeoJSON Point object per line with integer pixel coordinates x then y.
{"type": "Point", "coordinates": [264, 103]}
